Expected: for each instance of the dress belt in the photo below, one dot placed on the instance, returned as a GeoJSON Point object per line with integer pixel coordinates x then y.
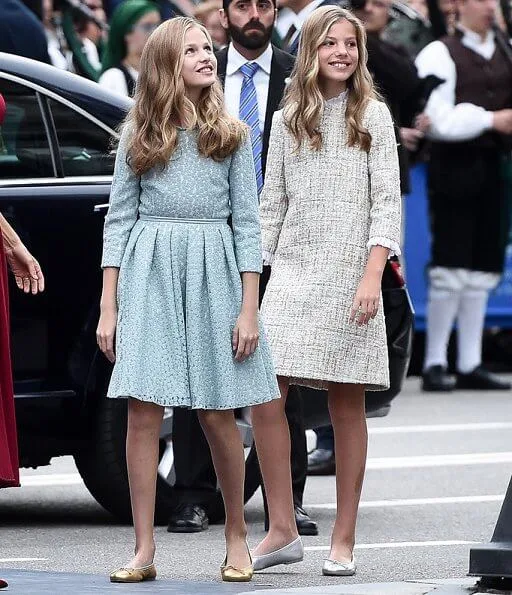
{"type": "Point", "coordinates": [180, 219]}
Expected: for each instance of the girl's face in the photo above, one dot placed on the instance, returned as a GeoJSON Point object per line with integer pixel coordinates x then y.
{"type": "Point", "coordinates": [338, 56]}
{"type": "Point", "coordinates": [140, 32]}
{"type": "Point", "coordinates": [199, 69]}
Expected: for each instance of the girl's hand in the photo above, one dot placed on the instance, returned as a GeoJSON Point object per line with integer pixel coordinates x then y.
{"type": "Point", "coordinates": [245, 336]}
{"type": "Point", "coordinates": [26, 269]}
{"type": "Point", "coordinates": [366, 302]}
{"type": "Point", "coordinates": [106, 331]}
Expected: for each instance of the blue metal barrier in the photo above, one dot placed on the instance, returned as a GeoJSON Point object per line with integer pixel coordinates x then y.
{"type": "Point", "coordinates": [417, 255]}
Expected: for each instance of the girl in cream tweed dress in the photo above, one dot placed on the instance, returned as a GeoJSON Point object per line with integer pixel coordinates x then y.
{"type": "Point", "coordinates": [330, 216]}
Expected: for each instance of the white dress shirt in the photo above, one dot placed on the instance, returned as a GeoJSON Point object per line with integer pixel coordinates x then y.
{"type": "Point", "coordinates": [285, 19]}
{"type": "Point", "coordinates": [450, 122]}
{"type": "Point", "coordinates": [113, 80]}
{"type": "Point", "coordinates": [234, 80]}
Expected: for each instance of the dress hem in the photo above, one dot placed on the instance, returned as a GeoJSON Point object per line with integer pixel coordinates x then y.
{"type": "Point", "coordinates": [322, 383]}
{"type": "Point", "coordinates": [147, 399]}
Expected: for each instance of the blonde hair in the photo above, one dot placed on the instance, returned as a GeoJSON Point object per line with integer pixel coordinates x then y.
{"type": "Point", "coordinates": [161, 104]}
{"type": "Point", "coordinates": [303, 100]}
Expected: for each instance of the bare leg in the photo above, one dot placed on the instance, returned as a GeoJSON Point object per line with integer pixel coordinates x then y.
{"type": "Point", "coordinates": [346, 406]}
{"type": "Point", "coordinates": [144, 421]}
{"type": "Point", "coordinates": [228, 459]}
{"type": "Point", "coordinates": [272, 436]}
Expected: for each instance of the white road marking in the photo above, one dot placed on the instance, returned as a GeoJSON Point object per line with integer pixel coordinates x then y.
{"type": "Point", "coordinates": [6, 560]}
{"type": "Point", "coordinates": [48, 479]}
{"type": "Point", "coordinates": [505, 425]}
{"type": "Point", "coordinates": [477, 458]}
{"type": "Point", "coordinates": [485, 458]}
{"type": "Point", "coordinates": [416, 502]}
{"type": "Point", "coordinates": [393, 544]}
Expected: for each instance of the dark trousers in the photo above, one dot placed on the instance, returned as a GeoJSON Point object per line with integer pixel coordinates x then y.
{"type": "Point", "coordinates": [196, 482]}
{"type": "Point", "coordinates": [325, 438]}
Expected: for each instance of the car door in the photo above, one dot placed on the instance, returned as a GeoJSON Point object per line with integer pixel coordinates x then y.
{"type": "Point", "coordinates": [56, 164]}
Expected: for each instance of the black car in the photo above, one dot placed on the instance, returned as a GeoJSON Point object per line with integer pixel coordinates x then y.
{"type": "Point", "coordinates": [56, 164]}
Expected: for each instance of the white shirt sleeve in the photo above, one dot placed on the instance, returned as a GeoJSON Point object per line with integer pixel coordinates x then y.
{"type": "Point", "coordinates": [113, 80]}
{"type": "Point", "coordinates": [450, 122]}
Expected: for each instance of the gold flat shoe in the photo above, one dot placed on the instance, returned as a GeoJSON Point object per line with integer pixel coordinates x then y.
{"type": "Point", "coordinates": [231, 574]}
{"type": "Point", "coordinates": [134, 575]}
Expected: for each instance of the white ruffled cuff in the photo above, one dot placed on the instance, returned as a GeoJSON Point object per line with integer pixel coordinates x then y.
{"type": "Point", "coordinates": [394, 248]}
{"type": "Point", "coordinates": [268, 257]}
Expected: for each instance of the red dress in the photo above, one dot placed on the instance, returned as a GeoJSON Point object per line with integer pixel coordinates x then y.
{"type": "Point", "coordinates": [9, 473]}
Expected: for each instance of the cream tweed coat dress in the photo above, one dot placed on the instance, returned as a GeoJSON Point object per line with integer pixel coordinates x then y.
{"type": "Point", "coordinates": [320, 213]}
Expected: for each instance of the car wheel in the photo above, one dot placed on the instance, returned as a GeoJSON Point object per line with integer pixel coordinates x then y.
{"type": "Point", "coordinates": [102, 464]}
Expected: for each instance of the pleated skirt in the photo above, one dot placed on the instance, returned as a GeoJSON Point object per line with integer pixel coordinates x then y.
{"type": "Point", "coordinates": [179, 296]}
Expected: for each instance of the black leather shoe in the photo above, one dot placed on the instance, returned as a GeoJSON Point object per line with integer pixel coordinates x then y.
{"type": "Point", "coordinates": [481, 379]}
{"type": "Point", "coordinates": [188, 518]}
{"type": "Point", "coordinates": [436, 379]}
{"type": "Point", "coordinates": [305, 525]}
{"type": "Point", "coordinates": [321, 462]}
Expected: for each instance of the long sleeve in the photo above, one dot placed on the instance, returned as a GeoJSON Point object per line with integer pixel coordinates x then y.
{"type": "Point", "coordinates": [123, 209]}
{"type": "Point", "coordinates": [385, 198]}
{"type": "Point", "coordinates": [274, 202]}
{"type": "Point", "coordinates": [243, 193]}
{"type": "Point", "coordinates": [450, 122]}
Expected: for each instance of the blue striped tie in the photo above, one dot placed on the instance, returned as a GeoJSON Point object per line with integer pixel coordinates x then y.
{"type": "Point", "coordinates": [248, 112]}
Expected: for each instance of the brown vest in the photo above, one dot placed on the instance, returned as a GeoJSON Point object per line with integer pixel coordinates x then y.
{"type": "Point", "coordinates": [486, 83]}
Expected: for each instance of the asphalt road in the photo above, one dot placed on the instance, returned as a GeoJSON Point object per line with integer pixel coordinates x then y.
{"type": "Point", "coordinates": [438, 468]}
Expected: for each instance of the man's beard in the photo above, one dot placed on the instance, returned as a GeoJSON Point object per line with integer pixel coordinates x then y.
{"type": "Point", "coordinates": [258, 38]}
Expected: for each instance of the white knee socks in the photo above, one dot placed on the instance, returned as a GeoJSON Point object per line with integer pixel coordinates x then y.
{"type": "Point", "coordinates": [442, 308]}
{"type": "Point", "coordinates": [470, 323]}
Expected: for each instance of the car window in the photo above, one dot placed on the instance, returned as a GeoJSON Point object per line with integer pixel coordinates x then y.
{"type": "Point", "coordinates": [85, 147]}
{"type": "Point", "coordinates": [24, 147]}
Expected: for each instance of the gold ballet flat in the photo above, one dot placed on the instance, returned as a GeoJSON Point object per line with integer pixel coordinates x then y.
{"type": "Point", "coordinates": [231, 574]}
{"type": "Point", "coordinates": [134, 575]}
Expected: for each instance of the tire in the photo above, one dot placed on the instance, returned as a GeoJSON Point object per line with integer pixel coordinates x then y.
{"type": "Point", "coordinates": [102, 466]}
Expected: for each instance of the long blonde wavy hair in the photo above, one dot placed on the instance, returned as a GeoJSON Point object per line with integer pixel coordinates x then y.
{"type": "Point", "coordinates": [161, 104]}
{"type": "Point", "coordinates": [303, 101]}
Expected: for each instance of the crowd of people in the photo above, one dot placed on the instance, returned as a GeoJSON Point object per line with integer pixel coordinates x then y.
{"type": "Point", "coordinates": [365, 92]}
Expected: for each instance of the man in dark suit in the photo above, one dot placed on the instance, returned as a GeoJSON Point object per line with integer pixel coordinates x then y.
{"type": "Point", "coordinates": [250, 24]}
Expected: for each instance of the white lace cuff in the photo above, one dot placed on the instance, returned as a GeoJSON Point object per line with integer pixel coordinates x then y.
{"type": "Point", "coordinates": [394, 248]}
{"type": "Point", "coordinates": [267, 258]}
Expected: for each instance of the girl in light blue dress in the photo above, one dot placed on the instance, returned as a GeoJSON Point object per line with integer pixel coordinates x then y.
{"type": "Point", "coordinates": [180, 285]}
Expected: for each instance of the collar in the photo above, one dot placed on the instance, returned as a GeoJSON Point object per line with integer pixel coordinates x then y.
{"type": "Point", "coordinates": [235, 60]}
{"type": "Point", "coordinates": [475, 38]}
{"type": "Point", "coordinates": [337, 99]}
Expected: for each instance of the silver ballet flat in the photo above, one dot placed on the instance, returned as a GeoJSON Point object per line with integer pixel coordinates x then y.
{"type": "Point", "coordinates": [288, 554]}
{"type": "Point", "coordinates": [335, 568]}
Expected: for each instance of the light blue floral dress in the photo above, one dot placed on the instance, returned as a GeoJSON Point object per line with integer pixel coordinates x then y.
{"type": "Point", "coordinates": [179, 289]}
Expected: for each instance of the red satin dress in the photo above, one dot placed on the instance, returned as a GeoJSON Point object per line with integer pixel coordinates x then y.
{"type": "Point", "coordinates": [9, 471]}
